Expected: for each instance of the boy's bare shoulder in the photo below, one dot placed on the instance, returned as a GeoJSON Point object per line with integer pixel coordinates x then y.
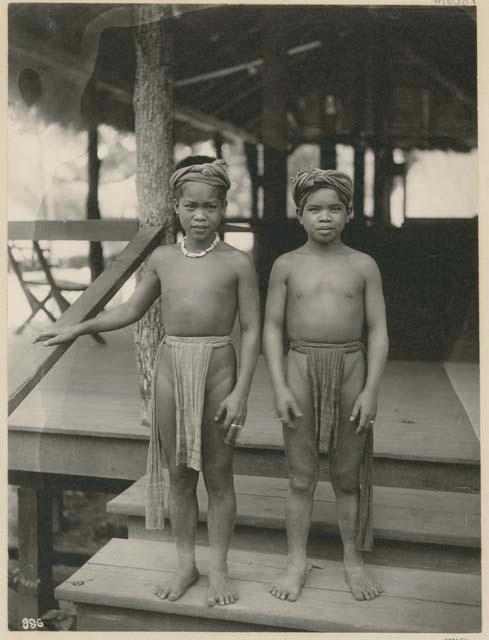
{"type": "Point", "coordinates": [363, 261]}
{"type": "Point", "coordinates": [238, 258]}
{"type": "Point", "coordinates": [165, 250]}
{"type": "Point", "coordinates": [283, 262]}
{"type": "Point", "coordinates": [162, 253]}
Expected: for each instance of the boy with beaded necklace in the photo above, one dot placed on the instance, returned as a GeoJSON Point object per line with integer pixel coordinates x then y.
{"type": "Point", "coordinates": [199, 398]}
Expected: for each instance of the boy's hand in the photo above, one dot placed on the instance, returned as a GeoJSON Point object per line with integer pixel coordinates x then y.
{"type": "Point", "coordinates": [364, 410]}
{"type": "Point", "coordinates": [232, 415]}
{"type": "Point", "coordinates": [287, 408]}
{"type": "Point", "coordinates": [57, 336]}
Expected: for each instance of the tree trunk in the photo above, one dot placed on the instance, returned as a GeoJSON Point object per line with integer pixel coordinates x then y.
{"type": "Point", "coordinates": [153, 112]}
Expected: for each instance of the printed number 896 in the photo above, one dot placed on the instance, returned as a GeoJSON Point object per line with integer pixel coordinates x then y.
{"type": "Point", "coordinates": [32, 623]}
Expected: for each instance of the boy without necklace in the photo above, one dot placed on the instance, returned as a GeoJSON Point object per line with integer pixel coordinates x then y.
{"type": "Point", "coordinates": [324, 293]}
{"type": "Point", "coordinates": [199, 399]}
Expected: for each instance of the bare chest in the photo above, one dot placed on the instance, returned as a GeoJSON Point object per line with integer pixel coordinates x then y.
{"type": "Point", "coordinates": [190, 279]}
{"type": "Point", "coordinates": [325, 282]}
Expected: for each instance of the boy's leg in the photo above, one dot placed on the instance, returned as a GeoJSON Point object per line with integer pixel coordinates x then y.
{"type": "Point", "coordinates": [217, 467]}
{"type": "Point", "coordinates": [302, 459]}
{"type": "Point", "coordinates": [182, 499]}
{"type": "Point", "coordinates": [345, 464]}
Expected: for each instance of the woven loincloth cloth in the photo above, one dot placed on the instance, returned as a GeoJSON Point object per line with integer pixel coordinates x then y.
{"type": "Point", "coordinates": [325, 369]}
{"type": "Point", "coordinates": [191, 357]}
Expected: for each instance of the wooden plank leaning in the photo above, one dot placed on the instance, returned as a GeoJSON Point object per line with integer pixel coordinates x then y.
{"type": "Point", "coordinates": [95, 230]}
{"type": "Point", "coordinates": [29, 372]}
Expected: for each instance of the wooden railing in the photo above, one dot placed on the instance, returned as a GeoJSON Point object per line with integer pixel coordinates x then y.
{"type": "Point", "coordinates": [92, 230]}
{"type": "Point", "coordinates": [30, 371]}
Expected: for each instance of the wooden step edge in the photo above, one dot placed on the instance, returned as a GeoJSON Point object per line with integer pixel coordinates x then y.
{"type": "Point", "coordinates": [379, 454]}
{"type": "Point", "coordinates": [327, 528]}
{"type": "Point", "coordinates": [134, 508]}
{"type": "Point", "coordinates": [322, 609]}
{"type": "Point", "coordinates": [130, 498]}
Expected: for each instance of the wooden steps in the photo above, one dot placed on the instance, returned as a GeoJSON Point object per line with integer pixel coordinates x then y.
{"type": "Point", "coordinates": [116, 587]}
{"type": "Point", "coordinates": [409, 515]}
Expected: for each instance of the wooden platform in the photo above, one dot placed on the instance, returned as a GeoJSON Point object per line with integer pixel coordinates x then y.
{"type": "Point", "coordinates": [93, 391]}
{"type": "Point", "coordinates": [408, 515]}
{"type": "Point", "coordinates": [121, 577]}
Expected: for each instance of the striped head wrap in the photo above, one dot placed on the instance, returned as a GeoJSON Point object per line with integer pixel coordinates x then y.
{"type": "Point", "coordinates": [213, 173]}
{"type": "Point", "coordinates": [308, 180]}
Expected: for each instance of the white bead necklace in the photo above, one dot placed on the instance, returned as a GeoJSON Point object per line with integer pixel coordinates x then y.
{"type": "Point", "coordinates": [198, 254]}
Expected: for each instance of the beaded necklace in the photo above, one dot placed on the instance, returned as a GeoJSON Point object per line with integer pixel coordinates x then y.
{"type": "Point", "coordinates": [199, 254]}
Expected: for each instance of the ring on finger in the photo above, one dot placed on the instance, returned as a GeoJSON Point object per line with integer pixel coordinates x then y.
{"type": "Point", "coordinates": [236, 426]}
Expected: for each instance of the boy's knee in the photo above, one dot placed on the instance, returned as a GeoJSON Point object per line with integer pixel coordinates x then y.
{"type": "Point", "coordinates": [218, 480]}
{"type": "Point", "coordinates": [183, 480]}
{"type": "Point", "coordinates": [345, 480]}
{"type": "Point", "coordinates": [302, 482]}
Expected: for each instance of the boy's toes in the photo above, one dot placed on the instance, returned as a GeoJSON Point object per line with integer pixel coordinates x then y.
{"type": "Point", "coordinates": [211, 601]}
{"type": "Point", "coordinates": [292, 597]}
{"type": "Point", "coordinates": [162, 593]}
{"type": "Point", "coordinates": [357, 594]}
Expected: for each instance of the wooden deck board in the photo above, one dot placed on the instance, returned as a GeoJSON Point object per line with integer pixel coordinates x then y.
{"type": "Point", "coordinates": [399, 514]}
{"type": "Point", "coordinates": [93, 391]}
{"type": "Point", "coordinates": [413, 600]}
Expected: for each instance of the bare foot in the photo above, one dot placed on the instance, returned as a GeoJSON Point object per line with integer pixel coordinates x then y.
{"type": "Point", "coordinates": [288, 585]}
{"type": "Point", "coordinates": [221, 589]}
{"type": "Point", "coordinates": [361, 583]}
{"type": "Point", "coordinates": [182, 579]}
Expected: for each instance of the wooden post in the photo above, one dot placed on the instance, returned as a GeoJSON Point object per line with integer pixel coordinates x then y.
{"type": "Point", "coordinates": [35, 540]}
{"type": "Point", "coordinates": [274, 118]}
{"type": "Point", "coordinates": [328, 153]}
{"type": "Point", "coordinates": [153, 113]}
{"type": "Point", "coordinates": [218, 145]}
{"type": "Point", "coordinates": [252, 161]}
{"type": "Point", "coordinates": [275, 141]}
{"type": "Point", "coordinates": [383, 183]}
{"type": "Point", "coordinates": [362, 114]}
{"type": "Point", "coordinates": [96, 256]}
{"type": "Point", "coordinates": [382, 106]}
{"type": "Point", "coordinates": [359, 183]}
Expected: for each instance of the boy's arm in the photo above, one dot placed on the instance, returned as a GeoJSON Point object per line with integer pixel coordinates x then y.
{"type": "Point", "coordinates": [377, 348]}
{"type": "Point", "coordinates": [232, 410]}
{"type": "Point", "coordinates": [285, 404]}
{"type": "Point", "coordinates": [124, 314]}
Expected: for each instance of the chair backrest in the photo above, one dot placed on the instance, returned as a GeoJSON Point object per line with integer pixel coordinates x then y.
{"type": "Point", "coordinates": [44, 263]}
{"type": "Point", "coordinates": [13, 262]}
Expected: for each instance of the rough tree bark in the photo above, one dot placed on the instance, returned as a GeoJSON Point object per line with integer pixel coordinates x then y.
{"type": "Point", "coordinates": [153, 112]}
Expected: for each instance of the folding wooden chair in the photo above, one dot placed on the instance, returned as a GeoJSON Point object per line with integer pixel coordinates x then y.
{"type": "Point", "coordinates": [56, 288]}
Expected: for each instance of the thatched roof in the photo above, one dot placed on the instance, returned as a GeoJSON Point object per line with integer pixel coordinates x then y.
{"type": "Point", "coordinates": [405, 75]}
